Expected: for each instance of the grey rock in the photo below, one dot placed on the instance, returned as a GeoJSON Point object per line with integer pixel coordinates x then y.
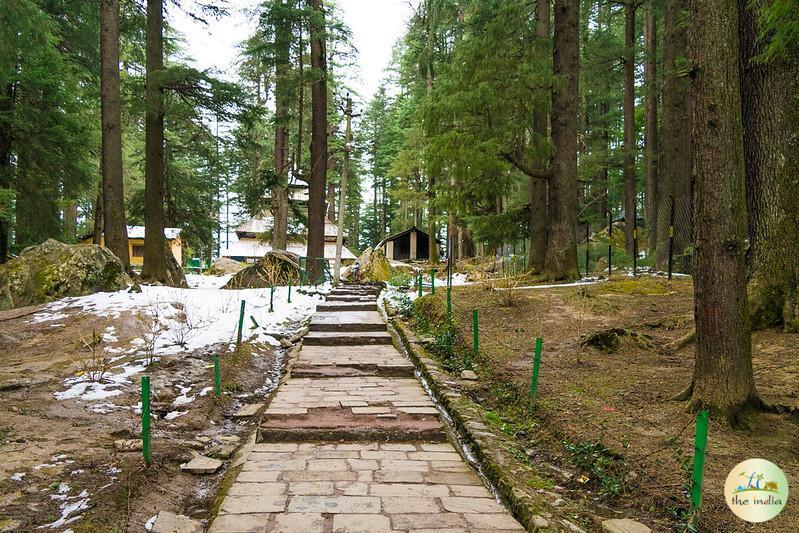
{"type": "Point", "coordinates": [624, 525]}
{"type": "Point", "coordinates": [469, 375]}
{"type": "Point", "coordinates": [539, 522]}
{"type": "Point", "coordinates": [175, 523]}
{"type": "Point", "coordinates": [201, 465]}
{"type": "Point", "coordinates": [560, 502]}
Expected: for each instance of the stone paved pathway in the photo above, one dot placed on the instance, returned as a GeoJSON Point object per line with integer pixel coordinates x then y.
{"type": "Point", "coordinates": [351, 443]}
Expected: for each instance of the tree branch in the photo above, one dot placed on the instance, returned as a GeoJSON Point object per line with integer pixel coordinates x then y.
{"type": "Point", "coordinates": [545, 174]}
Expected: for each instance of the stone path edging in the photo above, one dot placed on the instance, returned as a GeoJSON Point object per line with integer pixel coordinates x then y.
{"type": "Point", "coordinates": [503, 471]}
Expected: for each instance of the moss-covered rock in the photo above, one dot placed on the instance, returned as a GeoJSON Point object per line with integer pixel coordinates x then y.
{"type": "Point", "coordinates": [276, 268]}
{"type": "Point", "coordinates": [374, 266]}
{"type": "Point", "coordinates": [53, 270]}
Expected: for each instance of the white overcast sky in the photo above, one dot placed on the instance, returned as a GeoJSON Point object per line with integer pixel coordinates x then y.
{"type": "Point", "coordinates": [376, 26]}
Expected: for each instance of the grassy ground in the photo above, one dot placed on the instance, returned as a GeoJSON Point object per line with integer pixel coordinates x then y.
{"type": "Point", "coordinates": [604, 430]}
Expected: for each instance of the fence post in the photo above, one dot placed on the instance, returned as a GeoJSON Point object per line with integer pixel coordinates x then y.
{"type": "Point", "coordinates": [587, 247]}
{"type": "Point", "coordinates": [241, 322]}
{"type": "Point", "coordinates": [475, 332]}
{"type": "Point", "coordinates": [536, 365]}
{"type": "Point", "coordinates": [635, 240]}
{"type": "Point", "coordinates": [433, 281]}
{"type": "Point", "coordinates": [217, 378]}
{"type": "Point", "coordinates": [610, 246]}
{"type": "Point", "coordinates": [449, 303]}
{"type": "Point", "coordinates": [671, 237]}
{"type": "Point", "coordinates": [145, 418]}
{"type": "Point", "coordinates": [699, 459]}
{"type": "Point", "coordinates": [271, 299]}
{"type": "Point", "coordinates": [420, 283]}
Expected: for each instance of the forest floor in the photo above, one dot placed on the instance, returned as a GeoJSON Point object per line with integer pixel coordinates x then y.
{"type": "Point", "coordinates": [61, 468]}
{"type": "Point", "coordinates": [605, 431]}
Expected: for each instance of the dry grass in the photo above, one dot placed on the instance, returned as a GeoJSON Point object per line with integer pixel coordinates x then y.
{"type": "Point", "coordinates": [91, 356]}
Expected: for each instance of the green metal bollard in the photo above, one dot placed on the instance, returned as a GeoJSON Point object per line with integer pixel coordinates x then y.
{"type": "Point", "coordinates": [699, 459]}
{"type": "Point", "coordinates": [449, 303]}
{"type": "Point", "coordinates": [536, 365]}
{"type": "Point", "coordinates": [420, 284]}
{"type": "Point", "coordinates": [475, 332]}
{"type": "Point", "coordinates": [433, 281]}
{"type": "Point", "coordinates": [217, 378]}
{"type": "Point", "coordinates": [241, 322]}
{"type": "Point", "coordinates": [271, 299]}
{"type": "Point", "coordinates": [289, 300]}
{"type": "Point", "coordinates": [145, 419]}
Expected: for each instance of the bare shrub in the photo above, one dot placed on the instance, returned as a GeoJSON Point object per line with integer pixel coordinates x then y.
{"type": "Point", "coordinates": [184, 323]}
{"type": "Point", "coordinates": [91, 356]}
{"type": "Point", "coordinates": [506, 288]}
{"type": "Point", "coordinates": [151, 329]}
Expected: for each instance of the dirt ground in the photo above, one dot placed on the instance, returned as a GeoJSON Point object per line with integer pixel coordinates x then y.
{"type": "Point", "coordinates": [59, 454]}
{"type": "Point", "coordinates": [605, 431]}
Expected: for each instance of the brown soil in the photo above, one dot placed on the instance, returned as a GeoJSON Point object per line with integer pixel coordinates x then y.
{"type": "Point", "coordinates": [75, 444]}
{"type": "Point", "coordinates": [618, 398]}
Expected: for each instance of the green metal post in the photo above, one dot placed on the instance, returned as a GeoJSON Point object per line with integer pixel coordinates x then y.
{"type": "Point", "coordinates": [536, 365]}
{"type": "Point", "coordinates": [289, 300]}
{"type": "Point", "coordinates": [699, 459]}
{"type": "Point", "coordinates": [475, 332]}
{"type": "Point", "coordinates": [433, 282]}
{"type": "Point", "coordinates": [217, 378]}
{"type": "Point", "coordinates": [449, 303]}
{"type": "Point", "coordinates": [241, 322]}
{"type": "Point", "coordinates": [420, 284]}
{"type": "Point", "coordinates": [272, 299]}
{"type": "Point", "coordinates": [145, 418]}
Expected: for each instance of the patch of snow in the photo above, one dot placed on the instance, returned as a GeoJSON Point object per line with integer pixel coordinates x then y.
{"type": "Point", "coordinates": [174, 414]}
{"type": "Point", "coordinates": [148, 526]}
{"type": "Point", "coordinates": [17, 476]}
{"type": "Point", "coordinates": [71, 506]}
{"type": "Point", "coordinates": [183, 399]}
{"type": "Point", "coordinates": [44, 316]}
{"type": "Point", "coordinates": [204, 281]}
{"type": "Point", "coordinates": [205, 391]}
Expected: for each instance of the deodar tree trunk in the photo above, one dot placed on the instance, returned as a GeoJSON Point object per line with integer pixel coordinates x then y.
{"type": "Point", "coordinates": [561, 256]}
{"type": "Point", "coordinates": [651, 126]}
{"type": "Point", "coordinates": [674, 164]}
{"type": "Point", "coordinates": [318, 176]}
{"type": "Point", "coordinates": [280, 201]}
{"type": "Point", "coordinates": [116, 233]}
{"type": "Point", "coordinates": [154, 268]}
{"type": "Point", "coordinates": [723, 379]}
{"type": "Point", "coordinates": [629, 128]}
{"type": "Point", "coordinates": [538, 186]}
{"type": "Point", "coordinates": [766, 88]}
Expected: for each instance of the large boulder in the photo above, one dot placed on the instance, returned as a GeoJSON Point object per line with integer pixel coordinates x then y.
{"type": "Point", "coordinates": [275, 268]}
{"type": "Point", "coordinates": [224, 265]}
{"type": "Point", "coordinates": [53, 270]}
{"type": "Point", "coordinates": [374, 265]}
{"type": "Point", "coordinates": [175, 277]}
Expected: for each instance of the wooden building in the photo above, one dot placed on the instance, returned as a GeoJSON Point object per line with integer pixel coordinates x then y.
{"type": "Point", "coordinates": [136, 244]}
{"type": "Point", "coordinates": [412, 244]}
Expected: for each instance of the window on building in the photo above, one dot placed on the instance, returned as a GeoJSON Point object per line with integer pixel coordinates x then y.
{"type": "Point", "coordinates": [138, 251]}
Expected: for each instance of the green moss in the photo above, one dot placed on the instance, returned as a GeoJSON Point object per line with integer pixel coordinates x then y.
{"type": "Point", "coordinates": [642, 287]}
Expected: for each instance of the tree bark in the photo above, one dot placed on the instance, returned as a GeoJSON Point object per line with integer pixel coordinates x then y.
{"type": "Point", "coordinates": [561, 255]}
{"type": "Point", "coordinates": [629, 127]}
{"type": "Point", "coordinates": [431, 180]}
{"type": "Point", "coordinates": [318, 177]}
{"type": "Point", "coordinates": [539, 218]}
{"type": "Point", "coordinates": [674, 164]}
{"type": "Point", "coordinates": [70, 217]}
{"type": "Point", "coordinates": [97, 213]}
{"type": "Point", "coordinates": [116, 232]}
{"type": "Point", "coordinates": [6, 140]}
{"type": "Point", "coordinates": [280, 199]}
{"type": "Point", "coordinates": [773, 258]}
{"type": "Point", "coordinates": [723, 379]}
{"type": "Point", "coordinates": [651, 125]}
{"type": "Point", "coordinates": [154, 268]}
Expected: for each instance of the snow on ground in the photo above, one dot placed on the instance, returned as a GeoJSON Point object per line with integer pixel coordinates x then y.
{"type": "Point", "coordinates": [202, 281]}
{"type": "Point", "coordinates": [178, 321]}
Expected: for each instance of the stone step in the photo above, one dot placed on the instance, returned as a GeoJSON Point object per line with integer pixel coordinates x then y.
{"type": "Point", "coordinates": [355, 338]}
{"type": "Point", "coordinates": [350, 298]}
{"type": "Point", "coordinates": [348, 321]}
{"type": "Point", "coordinates": [398, 370]}
{"type": "Point", "coordinates": [346, 306]}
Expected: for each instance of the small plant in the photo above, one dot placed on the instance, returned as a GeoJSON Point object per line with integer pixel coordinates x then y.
{"type": "Point", "coordinates": [404, 305]}
{"type": "Point", "coordinates": [400, 279]}
{"type": "Point", "coordinates": [506, 288]}
{"type": "Point", "coordinates": [92, 357]}
{"type": "Point", "coordinates": [601, 464]}
{"type": "Point", "coordinates": [151, 330]}
{"type": "Point", "coordinates": [184, 324]}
